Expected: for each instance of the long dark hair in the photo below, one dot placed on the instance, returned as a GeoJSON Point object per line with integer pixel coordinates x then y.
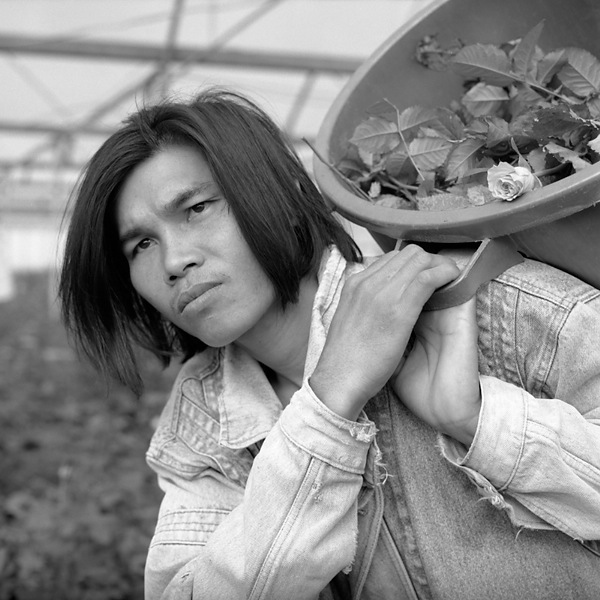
{"type": "Point", "coordinates": [282, 216]}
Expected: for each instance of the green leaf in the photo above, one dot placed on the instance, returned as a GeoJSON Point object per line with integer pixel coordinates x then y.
{"type": "Point", "coordinates": [483, 99]}
{"type": "Point", "coordinates": [429, 153]}
{"type": "Point", "coordinates": [376, 136]}
{"type": "Point", "coordinates": [451, 123]}
{"type": "Point", "coordinates": [369, 160]}
{"type": "Point", "coordinates": [486, 62]}
{"type": "Point", "coordinates": [413, 118]}
{"type": "Point", "coordinates": [478, 127]}
{"type": "Point", "coordinates": [525, 51]}
{"type": "Point", "coordinates": [595, 144]}
{"type": "Point", "coordinates": [398, 162]}
{"type": "Point", "coordinates": [523, 99]}
{"type": "Point", "coordinates": [582, 73]}
{"type": "Point", "coordinates": [593, 105]}
{"type": "Point", "coordinates": [545, 123]}
{"type": "Point", "coordinates": [350, 168]}
{"type": "Point", "coordinates": [537, 160]}
{"type": "Point", "coordinates": [498, 131]}
{"type": "Point", "coordinates": [567, 155]}
{"type": "Point", "coordinates": [463, 158]}
{"type": "Point", "coordinates": [551, 64]}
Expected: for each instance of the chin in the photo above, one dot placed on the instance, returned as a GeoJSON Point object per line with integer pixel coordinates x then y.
{"type": "Point", "coordinates": [215, 339]}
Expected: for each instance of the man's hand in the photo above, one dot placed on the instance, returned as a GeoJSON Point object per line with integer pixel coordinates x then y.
{"type": "Point", "coordinates": [377, 312]}
{"type": "Point", "coordinates": [439, 381]}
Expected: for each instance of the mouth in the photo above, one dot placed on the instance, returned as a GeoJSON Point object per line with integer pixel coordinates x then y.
{"type": "Point", "coordinates": [192, 293]}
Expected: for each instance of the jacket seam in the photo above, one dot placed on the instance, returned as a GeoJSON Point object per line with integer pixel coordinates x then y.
{"type": "Point", "coordinates": [566, 310]}
{"type": "Point", "coordinates": [544, 294]}
{"type": "Point", "coordinates": [210, 368]}
{"type": "Point", "coordinates": [320, 457]}
{"type": "Point", "coordinates": [521, 447]}
{"type": "Point", "coordinates": [258, 589]}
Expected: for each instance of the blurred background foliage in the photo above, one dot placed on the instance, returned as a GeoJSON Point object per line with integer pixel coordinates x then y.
{"type": "Point", "coordinates": [77, 502]}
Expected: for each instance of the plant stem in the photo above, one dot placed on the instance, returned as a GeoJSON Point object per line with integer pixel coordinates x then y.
{"type": "Point", "coordinates": [349, 181]}
{"type": "Point", "coordinates": [412, 160]}
{"type": "Point", "coordinates": [566, 100]}
{"type": "Point", "coordinates": [404, 186]}
{"type": "Point", "coordinates": [551, 170]}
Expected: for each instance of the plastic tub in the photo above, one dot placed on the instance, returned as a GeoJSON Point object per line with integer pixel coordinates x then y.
{"type": "Point", "coordinates": [540, 222]}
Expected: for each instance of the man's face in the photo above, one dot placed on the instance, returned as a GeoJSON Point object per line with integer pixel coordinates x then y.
{"type": "Point", "coordinates": [186, 254]}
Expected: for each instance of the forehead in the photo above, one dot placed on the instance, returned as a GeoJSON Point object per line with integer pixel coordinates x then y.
{"type": "Point", "coordinates": [169, 168]}
{"type": "Point", "coordinates": [163, 177]}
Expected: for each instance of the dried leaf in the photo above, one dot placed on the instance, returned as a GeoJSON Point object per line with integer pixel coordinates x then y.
{"type": "Point", "coordinates": [486, 62]}
{"type": "Point", "coordinates": [376, 135]}
{"type": "Point", "coordinates": [582, 73]}
{"type": "Point", "coordinates": [479, 195]}
{"type": "Point", "coordinates": [432, 55]}
{"type": "Point", "coordinates": [392, 201]}
{"type": "Point", "coordinates": [443, 201]}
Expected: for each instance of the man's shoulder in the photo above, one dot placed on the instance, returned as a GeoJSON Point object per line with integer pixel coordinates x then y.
{"type": "Point", "coordinates": [547, 284]}
{"type": "Point", "coordinates": [192, 406]}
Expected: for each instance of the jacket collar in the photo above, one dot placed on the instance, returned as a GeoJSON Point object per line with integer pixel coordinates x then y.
{"type": "Point", "coordinates": [248, 406]}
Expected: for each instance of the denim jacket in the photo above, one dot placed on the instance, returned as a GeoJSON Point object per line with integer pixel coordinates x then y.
{"type": "Point", "coordinates": [262, 502]}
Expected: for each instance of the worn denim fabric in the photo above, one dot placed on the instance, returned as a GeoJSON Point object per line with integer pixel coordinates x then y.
{"type": "Point", "coordinates": [455, 547]}
{"type": "Point", "coordinates": [265, 503]}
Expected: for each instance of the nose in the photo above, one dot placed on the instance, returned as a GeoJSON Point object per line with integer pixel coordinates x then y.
{"type": "Point", "coordinates": [179, 257]}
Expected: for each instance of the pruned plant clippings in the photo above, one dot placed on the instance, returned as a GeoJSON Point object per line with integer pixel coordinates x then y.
{"type": "Point", "coordinates": [527, 118]}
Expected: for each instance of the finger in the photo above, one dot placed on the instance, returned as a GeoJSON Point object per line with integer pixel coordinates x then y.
{"type": "Point", "coordinates": [414, 287]}
{"type": "Point", "coordinates": [411, 259]}
{"type": "Point", "coordinates": [400, 283]}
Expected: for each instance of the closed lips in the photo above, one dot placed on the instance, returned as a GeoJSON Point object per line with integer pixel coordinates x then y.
{"type": "Point", "coordinates": [193, 292]}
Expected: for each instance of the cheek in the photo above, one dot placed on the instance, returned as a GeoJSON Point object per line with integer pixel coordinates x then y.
{"type": "Point", "coordinates": [144, 280]}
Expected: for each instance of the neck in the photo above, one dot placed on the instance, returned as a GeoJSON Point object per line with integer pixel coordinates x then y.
{"type": "Point", "coordinates": [282, 342]}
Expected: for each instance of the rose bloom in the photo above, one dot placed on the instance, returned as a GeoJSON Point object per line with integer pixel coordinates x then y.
{"type": "Point", "coordinates": [507, 182]}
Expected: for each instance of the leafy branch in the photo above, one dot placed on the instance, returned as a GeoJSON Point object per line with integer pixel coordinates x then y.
{"type": "Point", "coordinates": [337, 171]}
{"type": "Point", "coordinates": [521, 106]}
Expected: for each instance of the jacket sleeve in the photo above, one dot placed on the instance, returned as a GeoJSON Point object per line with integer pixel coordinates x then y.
{"type": "Point", "coordinates": [536, 452]}
{"type": "Point", "coordinates": [293, 529]}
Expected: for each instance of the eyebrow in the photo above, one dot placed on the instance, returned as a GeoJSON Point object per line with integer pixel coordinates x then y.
{"type": "Point", "coordinates": [171, 207]}
{"type": "Point", "coordinates": [184, 195]}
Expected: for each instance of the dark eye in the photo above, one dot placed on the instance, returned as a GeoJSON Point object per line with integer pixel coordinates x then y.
{"type": "Point", "coordinates": [198, 208]}
{"type": "Point", "coordinates": [141, 245]}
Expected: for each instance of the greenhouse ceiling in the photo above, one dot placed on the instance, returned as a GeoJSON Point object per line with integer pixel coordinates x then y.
{"type": "Point", "coordinates": [71, 70]}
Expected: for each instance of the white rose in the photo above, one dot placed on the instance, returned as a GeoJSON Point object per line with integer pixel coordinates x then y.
{"type": "Point", "coordinates": [507, 182]}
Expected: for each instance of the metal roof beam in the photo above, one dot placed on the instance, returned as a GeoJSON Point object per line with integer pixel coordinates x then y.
{"type": "Point", "coordinates": [33, 127]}
{"type": "Point", "coordinates": [47, 46]}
